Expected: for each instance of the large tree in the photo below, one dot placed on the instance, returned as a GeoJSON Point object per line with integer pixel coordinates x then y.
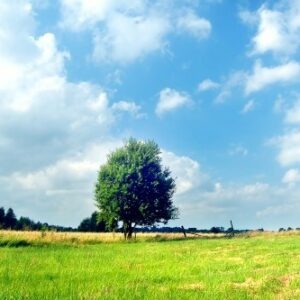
{"type": "Point", "coordinates": [134, 188]}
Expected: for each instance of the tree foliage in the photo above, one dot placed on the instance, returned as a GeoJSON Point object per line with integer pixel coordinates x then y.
{"type": "Point", "coordinates": [11, 220]}
{"type": "Point", "coordinates": [134, 188]}
{"type": "Point", "coordinates": [2, 217]}
{"type": "Point", "coordinates": [92, 224]}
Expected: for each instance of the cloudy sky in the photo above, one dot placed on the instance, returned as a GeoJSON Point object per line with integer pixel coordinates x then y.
{"type": "Point", "coordinates": [215, 83]}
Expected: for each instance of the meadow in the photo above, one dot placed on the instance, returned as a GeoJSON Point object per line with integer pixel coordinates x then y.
{"type": "Point", "coordinates": [49, 265]}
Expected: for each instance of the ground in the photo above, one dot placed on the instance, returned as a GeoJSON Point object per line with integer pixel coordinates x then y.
{"type": "Point", "coordinates": [87, 266]}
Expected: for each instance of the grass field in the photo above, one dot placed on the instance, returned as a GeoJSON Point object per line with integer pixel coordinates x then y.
{"type": "Point", "coordinates": [102, 266]}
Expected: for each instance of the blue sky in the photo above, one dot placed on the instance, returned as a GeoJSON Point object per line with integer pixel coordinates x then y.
{"type": "Point", "coordinates": [215, 83]}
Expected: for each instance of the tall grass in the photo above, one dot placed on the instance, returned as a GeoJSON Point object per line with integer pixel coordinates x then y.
{"type": "Point", "coordinates": [80, 238]}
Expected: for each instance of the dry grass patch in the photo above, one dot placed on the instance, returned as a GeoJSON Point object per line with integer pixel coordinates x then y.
{"type": "Point", "coordinates": [192, 286]}
{"type": "Point", "coordinates": [53, 237]}
{"type": "Point", "coordinates": [249, 284]}
{"type": "Point", "coordinates": [287, 279]}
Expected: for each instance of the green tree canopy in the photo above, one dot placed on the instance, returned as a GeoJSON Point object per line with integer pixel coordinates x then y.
{"type": "Point", "coordinates": [134, 188]}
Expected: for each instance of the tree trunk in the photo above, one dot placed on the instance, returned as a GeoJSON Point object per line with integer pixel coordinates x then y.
{"type": "Point", "coordinates": [128, 230]}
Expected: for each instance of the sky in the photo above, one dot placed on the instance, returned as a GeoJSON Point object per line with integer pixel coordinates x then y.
{"type": "Point", "coordinates": [214, 82]}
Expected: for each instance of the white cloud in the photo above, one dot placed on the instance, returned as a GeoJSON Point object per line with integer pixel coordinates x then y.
{"type": "Point", "coordinates": [291, 176]}
{"type": "Point", "coordinates": [52, 124]}
{"type": "Point", "coordinates": [198, 27]}
{"type": "Point", "coordinates": [201, 200]}
{"type": "Point", "coordinates": [129, 38]}
{"type": "Point", "coordinates": [125, 31]}
{"type": "Point", "coordinates": [278, 27]}
{"type": "Point", "coordinates": [82, 14]}
{"type": "Point", "coordinates": [271, 32]}
{"type": "Point", "coordinates": [39, 107]}
{"type": "Point", "coordinates": [262, 77]}
{"type": "Point", "coordinates": [129, 107]}
{"type": "Point", "coordinates": [186, 171]}
{"type": "Point", "coordinates": [170, 99]}
{"type": "Point", "coordinates": [248, 17]}
{"type": "Point", "coordinates": [234, 81]}
{"type": "Point", "coordinates": [71, 174]}
{"type": "Point", "coordinates": [249, 106]}
{"type": "Point", "coordinates": [62, 192]}
{"type": "Point", "coordinates": [278, 211]}
{"type": "Point", "coordinates": [289, 148]}
{"type": "Point", "coordinates": [207, 85]}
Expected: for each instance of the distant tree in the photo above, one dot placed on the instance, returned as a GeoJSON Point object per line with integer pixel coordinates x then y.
{"type": "Point", "coordinates": [85, 225]}
{"type": "Point", "coordinates": [38, 226]}
{"type": "Point", "coordinates": [25, 223]}
{"type": "Point", "coordinates": [97, 225]}
{"type": "Point", "coordinates": [134, 188]}
{"type": "Point", "coordinates": [2, 217]}
{"type": "Point", "coordinates": [92, 224]}
{"type": "Point", "coordinates": [10, 219]}
{"type": "Point", "coordinates": [217, 229]}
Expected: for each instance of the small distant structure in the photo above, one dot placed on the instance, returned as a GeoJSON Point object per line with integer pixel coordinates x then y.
{"type": "Point", "coordinates": [183, 231]}
{"type": "Point", "coordinates": [231, 229]}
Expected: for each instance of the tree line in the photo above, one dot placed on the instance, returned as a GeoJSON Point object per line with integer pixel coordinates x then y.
{"type": "Point", "coordinates": [8, 220]}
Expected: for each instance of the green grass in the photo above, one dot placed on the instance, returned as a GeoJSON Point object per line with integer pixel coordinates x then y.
{"type": "Point", "coordinates": [260, 267]}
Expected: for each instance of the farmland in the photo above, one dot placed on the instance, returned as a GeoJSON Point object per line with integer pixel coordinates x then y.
{"type": "Point", "coordinates": [48, 265]}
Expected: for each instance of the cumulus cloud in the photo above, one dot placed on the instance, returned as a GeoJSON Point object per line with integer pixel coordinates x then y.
{"type": "Point", "coordinates": [60, 192]}
{"type": "Point", "coordinates": [70, 174]}
{"type": "Point", "coordinates": [128, 38]}
{"type": "Point", "coordinates": [40, 108]}
{"type": "Point", "coordinates": [129, 107]}
{"type": "Point", "coordinates": [258, 79]}
{"type": "Point", "coordinates": [262, 77]}
{"type": "Point", "coordinates": [289, 148]}
{"type": "Point", "coordinates": [170, 99]}
{"type": "Point", "coordinates": [207, 85]}
{"type": "Point", "coordinates": [203, 200]}
{"type": "Point", "coordinates": [278, 27]}
{"type": "Point", "coordinates": [124, 31]}
{"type": "Point", "coordinates": [198, 27]}
{"type": "Point", "coordinates": [186, 171]}
{"type": "Point", "coordinates": [80, 14]}
{"type": "Point", "coordinates": [52, 124]}
{"type": "Point", "coordinates": [291, 176]}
